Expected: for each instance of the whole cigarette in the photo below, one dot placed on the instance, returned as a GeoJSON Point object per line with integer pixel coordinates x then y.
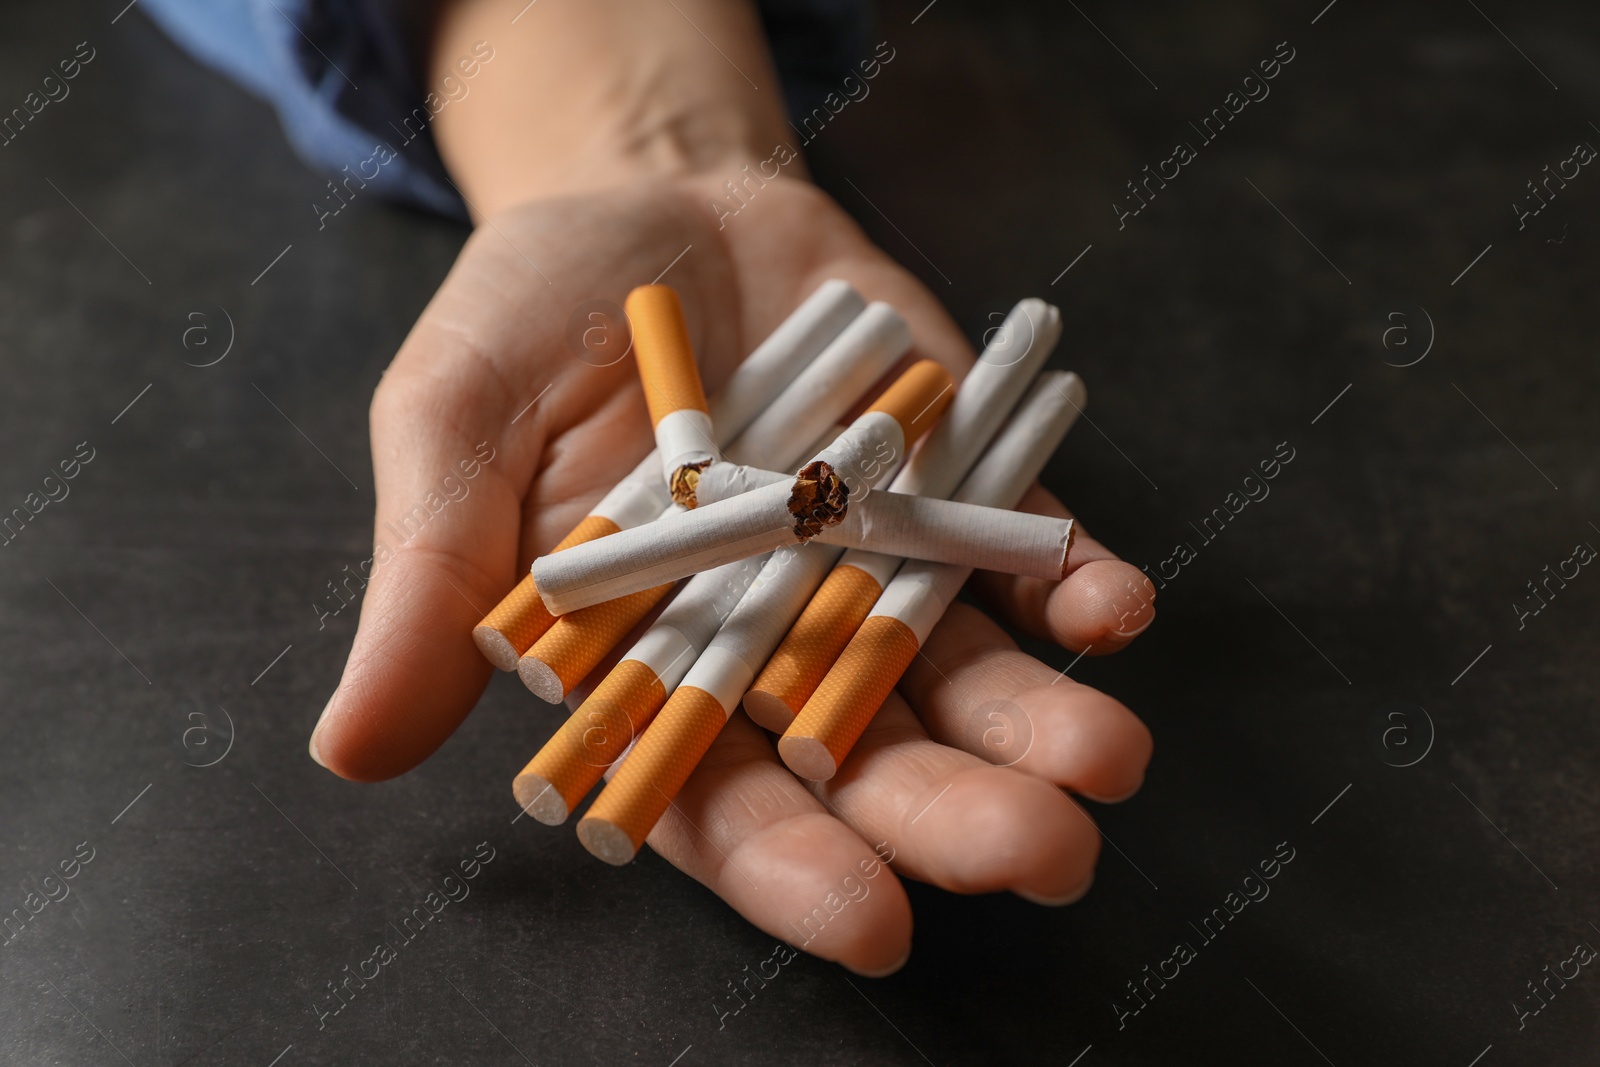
{"type": "Point", "coordinates": [754, 523]}
{"type": "Point", "coordinates": [672, 390]}
{"type": "Point", "coordinates": [673, 744]}
{"type": "Point", "coordinates": [939, 531]}
{"type": "Point", "coordinates": [596, 734]}
{"type": "Point", "coordinates": [831, 721]}
{"type": "Point", "coordinates": [817, 397]}
{"type": "Point", "coordinates": [990, 391]}
{"type": "Point", "coordinates": [521, 618]}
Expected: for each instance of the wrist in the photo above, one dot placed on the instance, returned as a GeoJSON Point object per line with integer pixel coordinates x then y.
{"type": "Point", "coordinates": [606, 94]}
{"type": "Point", "coordinates": [701, 154]}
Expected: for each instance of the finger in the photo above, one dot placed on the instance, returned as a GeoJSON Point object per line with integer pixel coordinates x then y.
{"type": "Point", "coordinates": [745, 828]}
{"type": "Point", "coordinates": [973, 689]}
{"type": "Point", "coordinates": [449, 464]}
{"type": "Point", "coordinates": [1098, 608]}
{"type": "Point", "coordinates": [956, 821]}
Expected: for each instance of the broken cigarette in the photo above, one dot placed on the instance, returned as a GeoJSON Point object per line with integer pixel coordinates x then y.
{"type": "Point", "coordinates": [991, 390]}
{"type": "Point", "coordinates": [788, 353]}
{"type": "Point", "coordinates": [928, 528]}
{"type": "Point", "coordinates": [872, 447]}
{"type": "Point", "coordinates": [672, 391]}
{"type": "Point", "coordinates": [817, 397]}
{"type": "Point", "coordinates": [834, 717]}
{"type": "Point", "coordinates": [596, 734]}
{"type": "Point", "coordinates": [754, 523]}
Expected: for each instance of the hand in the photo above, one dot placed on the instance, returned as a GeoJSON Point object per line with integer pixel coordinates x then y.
{"type": "Point", "coordinates": [918, 784]}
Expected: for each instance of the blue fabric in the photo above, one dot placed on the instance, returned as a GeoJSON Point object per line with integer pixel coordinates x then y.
{"type": "Point", "coordinates": [343, 77]}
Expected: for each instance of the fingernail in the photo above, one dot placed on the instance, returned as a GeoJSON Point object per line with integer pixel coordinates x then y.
{"type": "Point", "coordinates": [311, 745]}
{"type": "Point", "coordinates": [885, 972]}
{"type": "Point", "coordinates": [1128, 635]}
{"type": "Point", "coordinates": [1057, 902]}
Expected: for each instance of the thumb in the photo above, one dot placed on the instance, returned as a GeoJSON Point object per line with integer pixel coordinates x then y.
{"type": "Point", "coordinates": [445, 551]}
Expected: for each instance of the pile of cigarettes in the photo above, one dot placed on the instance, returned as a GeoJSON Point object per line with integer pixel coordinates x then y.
{"type": "Point", "coordinates": [809, 593]}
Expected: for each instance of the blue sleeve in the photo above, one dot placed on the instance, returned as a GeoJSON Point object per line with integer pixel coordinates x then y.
{"type": "Point", "coordinates": [343, 75]}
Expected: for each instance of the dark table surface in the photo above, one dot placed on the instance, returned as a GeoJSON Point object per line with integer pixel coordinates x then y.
{"type": "Point", "coordinates": [1341, 673]}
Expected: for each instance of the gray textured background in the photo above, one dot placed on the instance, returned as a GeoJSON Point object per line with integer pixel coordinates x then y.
{"type": "Point", "coordinates": [1387, 558]}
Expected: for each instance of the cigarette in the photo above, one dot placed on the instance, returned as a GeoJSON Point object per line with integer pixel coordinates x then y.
{"type": "Point", "coordinates": [672, 391]}
{"type": "Point", "coordinates": [939, 531]}
{"type": "Point", "coordinates": [991, 389]}
{"type": "Point", "coordinates": [756, 522]}
{"type": "Point", "coordinates": [561, 774]}
{"type": "Point", "coordinates": [799, 341]}
{"type": "Point", "coordinates": [834, 717]}
{"type": "Point", "coordinates": [807, 406]}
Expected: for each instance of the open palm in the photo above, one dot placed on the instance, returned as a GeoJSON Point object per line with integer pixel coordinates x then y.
{"type": "Point", "coordinates": [490, 362]}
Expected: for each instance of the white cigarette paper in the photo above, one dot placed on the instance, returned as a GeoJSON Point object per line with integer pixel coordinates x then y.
{"type": "Point", "coordinates": [778, 361]}
{"type": "Point", "coordinates": [825, 390]}
{"type": "Point", "coordinates": [928, 528]}
{"type": "Point", "coordinates": [686, 542]}
{"type": "Point", "coordinates": [919, 594]}
{"type": "Point", "coordinates": [672, 642]}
